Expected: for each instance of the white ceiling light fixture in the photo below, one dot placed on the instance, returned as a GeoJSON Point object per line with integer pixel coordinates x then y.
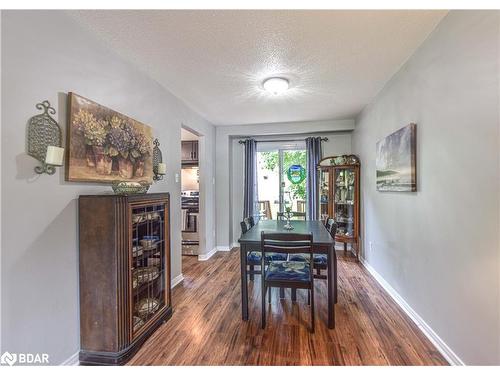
{"type": "Point", "coordinates": [276, 85]}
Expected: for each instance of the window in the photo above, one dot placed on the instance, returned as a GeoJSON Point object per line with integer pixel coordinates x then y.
{"type": "Point", "coordinates": [278, 186]}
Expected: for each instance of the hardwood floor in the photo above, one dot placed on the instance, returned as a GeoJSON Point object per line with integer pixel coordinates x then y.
{"type": "Point", "coordinates": [206, 326]}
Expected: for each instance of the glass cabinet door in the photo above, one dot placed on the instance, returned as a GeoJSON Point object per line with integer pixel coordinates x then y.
{"type": "Point", "coordinates": [149, 268]}
{"type": "Point", "coordinates": [344, 182]}
{"type": "Point", "coordinates": [324, 193]}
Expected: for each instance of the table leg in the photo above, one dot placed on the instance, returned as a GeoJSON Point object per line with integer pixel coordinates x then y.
{"type": "Point", "coordinates": [336, 277]}
{"type": "Point", "coordinates": [332, 260]}
{"type": "Point", "coordinates": [244, 282]}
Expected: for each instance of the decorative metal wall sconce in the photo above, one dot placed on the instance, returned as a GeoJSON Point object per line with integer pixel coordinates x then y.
{"type": "Point", "coordinates": [44, 140]}
{"type": "Point", "coordinates": [159, 168]}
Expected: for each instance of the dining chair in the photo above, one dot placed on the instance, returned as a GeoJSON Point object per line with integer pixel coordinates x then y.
{"type": "Point", "coordinates": [320, 260]}
{"type": "Point", "coordinates": [325, 219]}
{"type": "Point", "coordinates": [254, 257]}
{"type": "Point", "coordinates": [301, 205]}
{"type": "Point", "coordinates": [287, 274]}
{"type": "Point", "coordinates": [265, 210]}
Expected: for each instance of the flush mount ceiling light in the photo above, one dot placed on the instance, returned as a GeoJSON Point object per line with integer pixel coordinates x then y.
{"type": "Point", "coordinates": [276, 85]}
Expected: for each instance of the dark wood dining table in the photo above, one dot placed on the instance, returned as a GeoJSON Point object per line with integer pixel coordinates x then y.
{"type": "Point", "coordinates": [323, 243]}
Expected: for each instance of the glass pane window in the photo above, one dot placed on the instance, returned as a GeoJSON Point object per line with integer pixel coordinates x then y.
{"type": "Point", "coordinates": [344, 201]}
{"type": "Point", "coordinates": [282, 179]}
{"type": "Point", "coordinates": [148, 263]}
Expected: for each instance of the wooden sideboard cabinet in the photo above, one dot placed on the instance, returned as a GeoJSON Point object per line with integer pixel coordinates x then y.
{"type": "Point", "coordinates": [124, 273]}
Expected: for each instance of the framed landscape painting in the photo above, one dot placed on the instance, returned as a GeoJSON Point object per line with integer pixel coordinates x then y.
{"type": "Point", "coordinates": [396, 160]}
{"type": "Point", "coordinates": [105, 146]}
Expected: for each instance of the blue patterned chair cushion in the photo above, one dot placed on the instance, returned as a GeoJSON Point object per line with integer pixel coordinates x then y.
{"type": "Point", "coordinates": [299, 257]}
{"type": "Point", "coordinates": [255, 257]}
{"type": "Point", "coordinates": [292, 271]}
{"type": "Point", "coordinates": [319, 259]}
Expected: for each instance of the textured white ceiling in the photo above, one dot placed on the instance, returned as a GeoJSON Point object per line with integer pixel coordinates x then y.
{"type": "Point", "coordinates": [215, 61]}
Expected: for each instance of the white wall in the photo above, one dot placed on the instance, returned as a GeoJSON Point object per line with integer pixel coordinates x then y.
{"type": "Point", "coordinates": [45, 54]}
{"type": "Point", "coordinates": [439, 247]}
{"type": "Point", "coordinates": [230, 164]}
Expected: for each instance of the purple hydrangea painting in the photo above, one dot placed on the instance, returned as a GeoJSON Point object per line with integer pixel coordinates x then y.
{"type": "Point", "coordinates": [106, 146]}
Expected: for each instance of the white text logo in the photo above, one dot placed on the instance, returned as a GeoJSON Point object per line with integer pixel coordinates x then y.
{"type": "Point", "coordinates": [23, 358]}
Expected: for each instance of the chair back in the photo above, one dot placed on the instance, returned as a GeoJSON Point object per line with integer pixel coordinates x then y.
{"type": "Point", "coordinates": [325, 218]}
{"type": "Point", "coordinates": [244, 227]}
{"type": "Point", "coordinates": [251, 221]}
{"type": "Point", "coordinates": [289, 243]}
{"type": "Point", "coordinates": [301, 206]}
{"type": "Point", "coordinates": [328, 224]}
{"type": "Point", "coordinates": [265, 210]}
{"type": "Point", "coordinates": [331, 226]}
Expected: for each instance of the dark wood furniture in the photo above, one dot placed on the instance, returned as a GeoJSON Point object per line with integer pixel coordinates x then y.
{"type": "Point", "coordinates": [254, 257]}
{"type": "Point", "coordinates": [323, 243]}
{"type": "Point", "coordinates": [319, 260]}
{"type": "Point", "coordinates": [189, 152]}
{"type": "Point", "coordinates": [339, 197]}
{"type": "Point", "coordinates": [124, 273]}
{"type": "Point", "coordinates": [289, 274]}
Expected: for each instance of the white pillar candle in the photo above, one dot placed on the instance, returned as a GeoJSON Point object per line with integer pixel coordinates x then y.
{"type": "Point", "coordinates": [55, 155]}
{"type": "Point", "coordinates": [162, 168]}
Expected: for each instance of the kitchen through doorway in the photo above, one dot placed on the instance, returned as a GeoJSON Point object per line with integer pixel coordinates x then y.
{"type": "Point", "coordinates": [190, 193]}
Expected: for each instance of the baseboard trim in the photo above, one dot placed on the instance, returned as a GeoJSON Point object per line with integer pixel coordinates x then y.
{"type": "Point", "coordinates": [433, 337]}
{"type": "Point", "coordinates": [71, 361]}
{"type": "Point", "coordinates": [223, 248]}
{"type": "Point", "coordinates": [208, 255]}
{"type": "Point", "coordinates": [176, 280]}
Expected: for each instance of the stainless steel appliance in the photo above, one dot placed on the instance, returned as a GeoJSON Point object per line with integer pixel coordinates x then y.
{"type": "Point", "coordinates": [190, 205]}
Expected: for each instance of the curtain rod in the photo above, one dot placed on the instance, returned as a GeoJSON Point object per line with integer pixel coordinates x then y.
{"type": "Point", "coordinates": [241, 141]}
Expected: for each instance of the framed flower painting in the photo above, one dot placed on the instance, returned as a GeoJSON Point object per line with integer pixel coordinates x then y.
{"type": "Point", "coordinates": [105, 146]}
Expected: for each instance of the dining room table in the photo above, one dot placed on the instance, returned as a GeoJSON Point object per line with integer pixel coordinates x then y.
{"type": "Point", "coordinates": [323, 243]}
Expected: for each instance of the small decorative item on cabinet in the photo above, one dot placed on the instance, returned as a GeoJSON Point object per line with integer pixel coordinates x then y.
{"type": "Point", "coordinates": [143, 275]}
{"type": "Point", "coordinates": [149, 241]}
{"type": "Point", "coordinates": [131, 280]}
{"type": "Point", "coordinates": [146, 307]}
{"type": "Point", "coordinates": [339, 192]}
{"type": "Point", "coordinates": [128, 188]}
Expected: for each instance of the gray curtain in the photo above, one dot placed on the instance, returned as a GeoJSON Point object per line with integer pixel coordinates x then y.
{"type": "Point", "coordinates": [250, 205]}
{"type": "Point", "coordinates": [313, 149]}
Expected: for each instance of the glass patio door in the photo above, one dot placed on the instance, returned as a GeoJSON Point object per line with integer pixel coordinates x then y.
{"type": "Point", "coordinates": [282, 177]}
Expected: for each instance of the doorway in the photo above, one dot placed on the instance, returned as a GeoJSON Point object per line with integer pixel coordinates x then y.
{"type": "Point", "coordinates": [190, 193]}
{"type": "Point", "coordinates": [282, 179]}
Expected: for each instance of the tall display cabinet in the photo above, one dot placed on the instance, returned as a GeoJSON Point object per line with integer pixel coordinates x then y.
{"type": "Point", "coordinates": [124, 273]}
{"type": "Point", "coordinates": [339, 197]}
